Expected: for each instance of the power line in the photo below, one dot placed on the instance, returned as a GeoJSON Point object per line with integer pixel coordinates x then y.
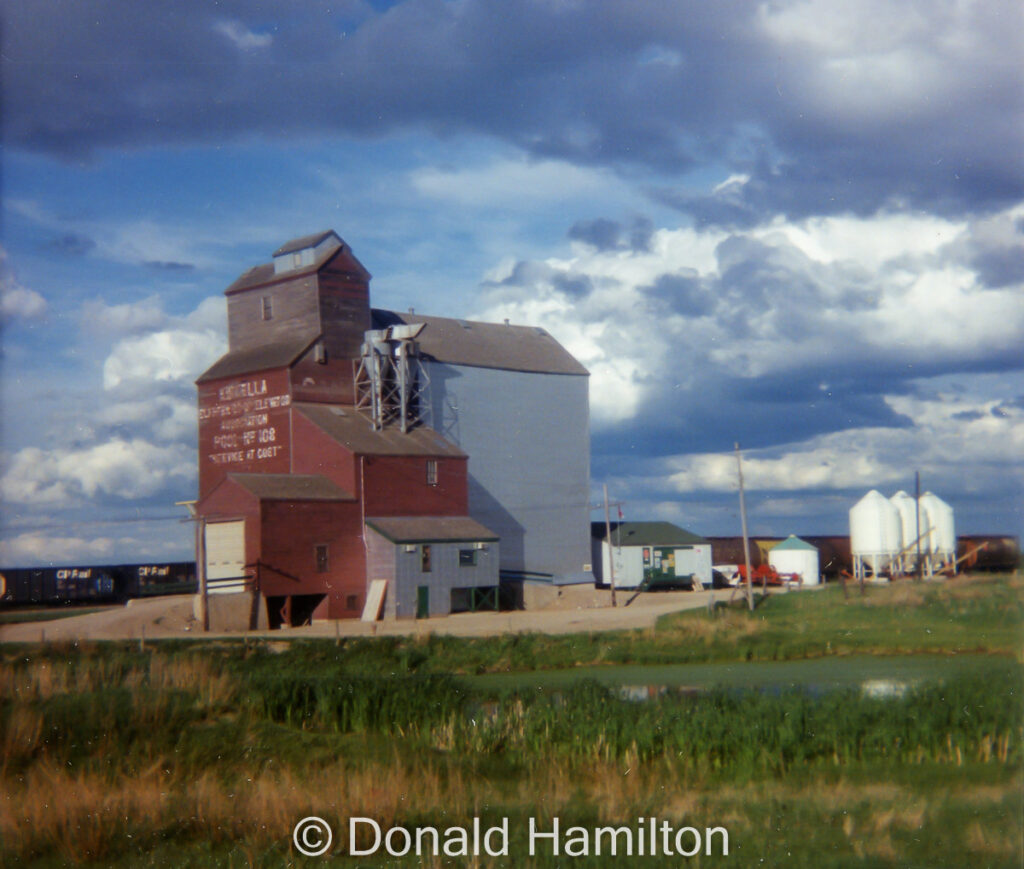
{"type": "Point", "coordinates": [74, 523]}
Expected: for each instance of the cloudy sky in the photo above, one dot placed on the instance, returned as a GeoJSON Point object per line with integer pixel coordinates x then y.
{"type": "Point", "coordinates": [796, 224]}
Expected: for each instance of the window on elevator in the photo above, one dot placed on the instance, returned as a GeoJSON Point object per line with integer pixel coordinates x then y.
{"type": "Point", "coordinates": [322, 562]}
{"type": "Point", "coordinates": [431, 472]}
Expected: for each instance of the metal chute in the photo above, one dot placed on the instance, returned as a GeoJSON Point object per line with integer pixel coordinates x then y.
{"type": "Point", "coordinates": [391, 380]}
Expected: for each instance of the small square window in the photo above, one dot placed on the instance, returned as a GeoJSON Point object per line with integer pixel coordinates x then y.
{"type": "Point", "coordinates": [352, 602]}
{"type": "Point", "coordinates": [467, 558]}
{"type": "Point", "coordinates": [425, 558]}
{"type": "Point", "coordinates": [321, 558]}
{"type": "Point", "coordinates": [267, 308]}
{"type": "Point", "coordinates": [431, 472]}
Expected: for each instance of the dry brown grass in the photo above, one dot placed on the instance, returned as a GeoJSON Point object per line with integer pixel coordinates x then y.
{"type": "Point", "coordinates": [87, 816]}
{"type": "Point", "coordinates": [727, 624]}
{"type": "Point", "coordinates": [41, 680]}
{"type": "Point", "coordinates": [961, 588]}
{"type": "Point", "coordinates": [903, 593]}
{"type": "Point", "coordinates": [21, 736]}
{"type": "Point", "coordinates": [83, 815]}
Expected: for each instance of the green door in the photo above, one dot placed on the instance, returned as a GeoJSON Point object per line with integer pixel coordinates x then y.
{"type": "Point", "coordinates": [423, 601]}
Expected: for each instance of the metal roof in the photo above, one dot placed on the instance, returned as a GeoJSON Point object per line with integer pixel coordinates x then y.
{"type": "Point", "coordinates": [353, 431]}
{"type": "Point", "coordinates": [646, 534]}
{"type": "Point", "coordinates": [291, 487]}
{"type": "Point", "coordinates": [793, 543]}
{"type": "Point", "coordinates": [305, 241]}
{"type": "Point", "coordinates": [431, 529]}
{"type": "Point", "coordinates": [260, 358]}
{"type": "Point", "coordinates": [266, 275]}
{"type": "Point", "coordinates": [485, 345]}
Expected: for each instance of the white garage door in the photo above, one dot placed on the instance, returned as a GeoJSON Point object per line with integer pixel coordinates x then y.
{"type": "Point", "coordinates": [225, 557]}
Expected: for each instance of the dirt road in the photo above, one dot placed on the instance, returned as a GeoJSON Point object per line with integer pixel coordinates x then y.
{"type": "Point", "coordinates": [172, 617]}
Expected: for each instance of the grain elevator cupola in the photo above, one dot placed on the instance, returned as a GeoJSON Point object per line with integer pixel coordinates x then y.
{"type": "Point", "coordinates": [305, 251]}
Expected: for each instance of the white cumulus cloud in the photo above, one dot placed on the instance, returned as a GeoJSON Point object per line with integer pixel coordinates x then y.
{"type": "Point", "coordinates": [777, 300]}
{"type": "Point", "coordinates": [506, 182]}
{"type": "Point", "coordinates": [953, 438]}
{"type": "Point", "coordinates": [170, 356]}
{"type": "Point", "coordinates": [17, 302]}
{"type": "Point", "coordinates": [242, 36]}
{"type": "Point", "coordinates": [118, 468]}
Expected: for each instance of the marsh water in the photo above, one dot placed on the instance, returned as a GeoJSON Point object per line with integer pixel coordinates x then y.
{"type": "Point", "coordinates": [880, 676]}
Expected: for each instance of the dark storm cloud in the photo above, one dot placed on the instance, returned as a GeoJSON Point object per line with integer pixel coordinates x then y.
{"type": "Point", "coordinates": [758, 413]}
{"type": "Point", "coordinates": [574, 286]}
{"type": "Point", "coordinates": [640, 235]}
{"type": "Point", "coordinates": [684, 294]}
{"type": "Point", "coordinates": [72, 244]}
{"type": "Point", "coordinates": [1000, 267]}
{"type": "Point", "coordinates": [169, 266]}
{"type": "Point", "coordinates": [601, 234]}
{"type": "Point", "coordinates": [666, 86]}
{"type": "Point", "coordinates": [769, 346]}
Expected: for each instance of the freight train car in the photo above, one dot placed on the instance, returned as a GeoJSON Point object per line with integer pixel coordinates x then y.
{"type": "Point", "coordinates": [52, 585]}
{"type": "Point", "coordinates": [978, 552]}
{"type": "Point", "coordinates": [150, 580]}
{"type": "Point", "coordinates": [988, 552]}
{"type": "Point", "coordinates": [95, 583]}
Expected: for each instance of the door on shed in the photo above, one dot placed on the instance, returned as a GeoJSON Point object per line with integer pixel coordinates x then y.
{"type": "Point", "coordinates": [423, 601]}
{"type": "Point", "coordinates": [225, 557]}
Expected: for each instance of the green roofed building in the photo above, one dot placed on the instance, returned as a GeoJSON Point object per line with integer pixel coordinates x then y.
{"type": "Point", "coordinates": [659, 551]}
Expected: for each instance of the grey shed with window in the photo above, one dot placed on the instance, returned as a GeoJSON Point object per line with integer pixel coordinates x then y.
{"type": "Point", "coordinates": [434, 565]}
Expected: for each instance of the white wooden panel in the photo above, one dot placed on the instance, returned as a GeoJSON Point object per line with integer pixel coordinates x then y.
{"type": "Point", "coordinates": [225, 557]}
{"type": "Point", "coordinates": [374, 600]}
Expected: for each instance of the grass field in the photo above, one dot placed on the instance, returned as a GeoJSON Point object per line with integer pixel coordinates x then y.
{"type": "Point", "coordinates": [980, 614]}
{"type": "Point", "coordinates": [207, 753]}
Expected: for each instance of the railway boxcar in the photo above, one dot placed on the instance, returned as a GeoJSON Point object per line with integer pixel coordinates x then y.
{"type": "Point", "coordinates": [988, 552]}
{"type": "Point", "coordinates": [150, 580]}
{"type": "Point", "coordinates": [56, 585]}
{"type": "Point", "coordinates": [94, 584]}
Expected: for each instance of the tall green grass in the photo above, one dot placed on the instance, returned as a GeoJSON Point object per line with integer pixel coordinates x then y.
{"type": "Point", "coordinates": [206, 754]}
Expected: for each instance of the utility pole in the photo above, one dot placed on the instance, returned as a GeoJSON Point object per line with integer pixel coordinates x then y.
{"type": "Point", "coordinates": [204, 600]}
{"type": "Point", "coordinates": [917, 514]}
{"type": "Point", "coordinates": [200, 527]}
{"type": "Point", "coordinates": [608, 538]}
{"type": "Point", "coordinates": [743, 519]}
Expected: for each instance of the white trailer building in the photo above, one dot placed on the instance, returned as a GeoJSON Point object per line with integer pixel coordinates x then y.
{"type": "Point", "coordinates": [658, 551]}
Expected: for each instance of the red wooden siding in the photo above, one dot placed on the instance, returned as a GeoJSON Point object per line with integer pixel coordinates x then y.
{"type": "Point", "coordinates": [295, 313]}
{"type": "Point", "coordinates": [316, 453]}
{"type": "Point", "coordinates": [291, 531]}
{"type": "Point", "coordinates": [244, 426]}
{"type": "Point", "coordinates": [332, 381]}
{"type": "Point", "coordinates": [397, 486]}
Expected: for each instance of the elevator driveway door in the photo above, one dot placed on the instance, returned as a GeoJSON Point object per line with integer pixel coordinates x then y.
{"type": "Point", "coordinates": [225, 557]}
